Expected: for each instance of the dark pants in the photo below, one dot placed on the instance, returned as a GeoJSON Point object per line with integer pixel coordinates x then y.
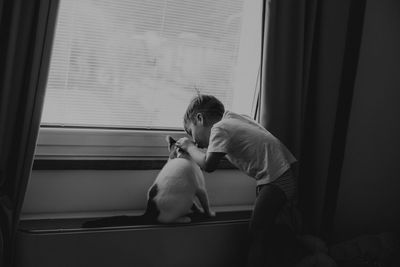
{"type": "Point", "coordinates": [268, 241]}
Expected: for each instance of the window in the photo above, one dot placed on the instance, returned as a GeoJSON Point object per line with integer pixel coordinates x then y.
{"type": "Point", "coordinates": [122, 71]}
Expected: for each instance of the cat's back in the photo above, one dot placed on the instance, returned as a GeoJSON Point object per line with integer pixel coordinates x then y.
{"type": "Point", "coordinates": [180, 172]}
{"type": "Point", "coordinates": [182, 166]}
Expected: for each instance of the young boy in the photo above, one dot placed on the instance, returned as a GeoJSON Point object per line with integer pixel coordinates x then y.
{"type": "Point", "coordinates": [253, 150]}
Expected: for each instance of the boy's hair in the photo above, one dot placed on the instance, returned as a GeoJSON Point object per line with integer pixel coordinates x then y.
{"type": "Point", "coordinates": [209, 106]}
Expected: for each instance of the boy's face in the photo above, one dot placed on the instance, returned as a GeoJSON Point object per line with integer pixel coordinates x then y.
{"type": "Point", "coordinates": [199, 133]}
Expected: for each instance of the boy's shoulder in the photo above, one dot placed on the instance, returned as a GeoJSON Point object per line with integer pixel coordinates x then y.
{"type": "Point", "coordinates": [237, 122]}
{"type": "Point", "coordinates": [232, 117]}
{"type": "Point", "coordinates": [231, 121]}
{"type": "Point", "coordinates": [227, 118]}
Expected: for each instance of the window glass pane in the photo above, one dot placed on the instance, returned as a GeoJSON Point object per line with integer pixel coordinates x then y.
{"type": "Point", "coordinates": [138, 63]}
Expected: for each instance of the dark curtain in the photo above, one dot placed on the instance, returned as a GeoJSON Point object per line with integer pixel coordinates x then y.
{"type": "Point", "coordinates": [24, 58]}
{"type": "Point", "coordinates": [309, 66]}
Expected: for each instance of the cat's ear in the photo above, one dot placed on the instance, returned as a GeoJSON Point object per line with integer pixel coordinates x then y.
{"type": "Point", "coordinates": [171, 141]}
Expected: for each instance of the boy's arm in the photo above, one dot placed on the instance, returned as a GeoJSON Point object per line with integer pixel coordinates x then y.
{"type": "Point", "coordinates": [208, 161]}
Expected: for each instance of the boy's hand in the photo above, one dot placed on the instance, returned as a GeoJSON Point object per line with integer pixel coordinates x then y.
{"type": "Point", "coordinates": [184, 143]}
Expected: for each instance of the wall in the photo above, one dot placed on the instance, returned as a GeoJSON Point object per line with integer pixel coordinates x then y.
{"type": "Point", "coordinates": [194, 245]}
{"type": "Point", "coordinates": [86, 193]}
{"type": "Point", "coordinates": [81, 194]}
{"type": "Point", "coordinates": [369, 193]}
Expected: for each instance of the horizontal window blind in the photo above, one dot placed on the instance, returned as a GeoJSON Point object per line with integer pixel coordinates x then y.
{"type": "Point", "coordinates": [137, 64]}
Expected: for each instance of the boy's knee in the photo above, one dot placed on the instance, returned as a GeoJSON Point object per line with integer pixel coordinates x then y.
{"type": "Point", "coordinates": [275, 233]}
{"type": "Point", "coordinates": [262, 232]}
{"type": "Point", "coordinates": [262, 224]}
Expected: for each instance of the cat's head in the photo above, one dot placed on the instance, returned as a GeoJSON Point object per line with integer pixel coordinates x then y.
{"type": "Point", "coordinates": [174, 151]}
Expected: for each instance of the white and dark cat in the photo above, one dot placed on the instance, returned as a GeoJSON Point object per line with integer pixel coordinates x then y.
{"type": "Point", "coordinates": [176, 187]}
{"type": "Point", "coordinates": [173, 195]}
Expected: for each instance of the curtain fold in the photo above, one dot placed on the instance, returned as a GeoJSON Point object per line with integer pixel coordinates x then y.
{"type": "Point", "coordinates": [24, 59]}
{"type": "Point", "coordinates": [306, 61]}
{"type": "Point", "coordinates": [288, 43]}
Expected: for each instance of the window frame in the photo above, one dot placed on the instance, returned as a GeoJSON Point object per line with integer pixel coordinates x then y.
{"type": "Point", "coordinates": [71, 143]}
{"type": "Point", "coordinates": [96, 144]}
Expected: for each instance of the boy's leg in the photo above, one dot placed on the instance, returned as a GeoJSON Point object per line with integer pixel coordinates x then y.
{"type": "Point", "coordinates": [268, 204]}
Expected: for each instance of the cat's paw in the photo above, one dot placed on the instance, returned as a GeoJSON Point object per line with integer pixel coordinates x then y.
{"type": "Point", "coordinates": [183, 219]}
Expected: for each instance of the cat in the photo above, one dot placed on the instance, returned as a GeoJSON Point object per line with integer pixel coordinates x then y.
{"type": "Point", "coordinates": [173, 195]}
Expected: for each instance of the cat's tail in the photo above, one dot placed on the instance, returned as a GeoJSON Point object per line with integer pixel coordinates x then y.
{"type": "Point", "coordinates": [122, 220]}
{"type": "Point", "coordinates": [149, 217]}
{"type": "Point", "coordinates": [152, 210]}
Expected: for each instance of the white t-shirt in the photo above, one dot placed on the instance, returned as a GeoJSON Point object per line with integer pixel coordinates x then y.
{"type": "Point", "coordinates": [250, 147]}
